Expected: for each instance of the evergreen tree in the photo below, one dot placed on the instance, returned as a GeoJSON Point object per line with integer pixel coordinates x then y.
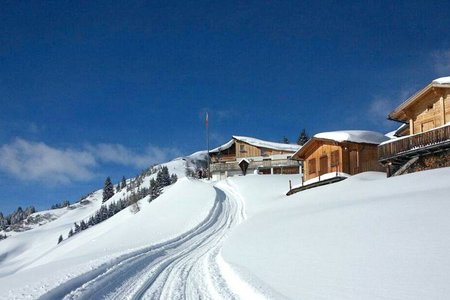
{"type": "Point", "coordinates": [173, 178]}
{"type": "Point", "coordinates": [155, 189]}
{"type": "Point", "coordinates": [83, 225]}
{"type": "Point", "coordinates": [3, 222]}
{"type": "Point", "coordinates": [285, 140]}
{"type": "Point", "coordinates": [60, 239]}
{"type": "Point", "coordinates": [124, 182]}
{"type": "Point", "coordinates": [163, 177]}
{"type": "Point", "coordinates": [303, 138]}
{"type": "Point", "coordinates": [70, 232]}
{"type": "Point", "coordinates": [77, 227]}
{"type": "Point", "coordinates": [108, 189]}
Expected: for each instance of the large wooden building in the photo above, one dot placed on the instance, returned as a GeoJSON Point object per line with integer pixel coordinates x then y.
{"type": "Point", "coordinates": [424, 138]}
{"type": "Point", "coordinates": [348, 152]}
{"type": "Point", "coordinates": [244, 155]}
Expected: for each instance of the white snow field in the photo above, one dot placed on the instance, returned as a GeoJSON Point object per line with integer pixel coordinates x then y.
{"type": "Point", "coordinates": [367, 237]}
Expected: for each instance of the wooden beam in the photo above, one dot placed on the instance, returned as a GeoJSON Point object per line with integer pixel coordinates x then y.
{"type": "Point", "coordinates": [443, 108]}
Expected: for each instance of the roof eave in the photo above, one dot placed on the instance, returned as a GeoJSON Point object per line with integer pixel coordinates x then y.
{"type": "Point", "coordinates": [399, 115]}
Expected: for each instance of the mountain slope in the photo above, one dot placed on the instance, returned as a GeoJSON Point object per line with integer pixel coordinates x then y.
{"type": "Point", "coordinates": [367, 237]}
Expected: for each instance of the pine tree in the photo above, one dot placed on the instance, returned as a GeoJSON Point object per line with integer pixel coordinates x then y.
{"type": "Point", "coordinates": [303, 138]}
{"type": "Point", "coordinates": [77, 227]}
{"type": "Point", "coordinates": [108, 189]}
{"type": "Point", "coordinates": [70, 232]}
{"type": "Point", "coordinates": [124, 182]}
{"type": "Point", "coordinates": [155, 189]}
{"type": "Point", "coordinates": [60, 239]}
{"type": "Point", "coordinates": [285, 140]}
{"type": "Point", "coordinates": [173, 178]}
{"type": "Point", "coordinates": [163, 177]}
{"type": "Point", "coordinates": [83, 225]}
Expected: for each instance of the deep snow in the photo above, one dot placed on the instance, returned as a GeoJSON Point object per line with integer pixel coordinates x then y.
{"type": "Point", "coordinates": [367, 237]}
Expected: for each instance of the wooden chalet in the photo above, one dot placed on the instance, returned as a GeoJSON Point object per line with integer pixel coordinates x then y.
{"type": "Point", "coordinates": [349, 152]}
{"type": "Point", "coordinates": [423, 141]}
{"type": "Point", "coordinates": [245, 155]}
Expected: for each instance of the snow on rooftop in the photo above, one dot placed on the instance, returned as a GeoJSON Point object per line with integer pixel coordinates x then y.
{"type": "Point", "coordinates": [442, 80]}
{"type": "Point", "coordinates": [223, 147]}
{"type": "Point", "coordinates": [258, 143]}
{"type": "Point", "coordinates": [356, 136]}
{"type": "Point", "coordinates": [266, 144]}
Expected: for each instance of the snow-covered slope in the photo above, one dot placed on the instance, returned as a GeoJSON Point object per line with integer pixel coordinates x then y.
{"type": "Point", "coordinates": [367, 237]}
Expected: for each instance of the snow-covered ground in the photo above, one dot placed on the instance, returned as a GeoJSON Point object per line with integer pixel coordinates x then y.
{"type": "Point", "coordinates": [367, 237]}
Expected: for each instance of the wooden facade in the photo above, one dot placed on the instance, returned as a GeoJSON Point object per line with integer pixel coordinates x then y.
{"type": "Point", "coordinates": [241, 149]}
{"type": "Point", "coordinates": [427, 114]}
{"type": "Point", "coordinates": [322, 156]}
{"type": "Point", "coordinates": [428, 109]}
{"type": "Point", "coordinates": [262, 158]}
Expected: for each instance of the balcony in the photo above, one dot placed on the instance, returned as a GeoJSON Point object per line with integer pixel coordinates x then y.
{"type": "Point", "coordinates": [254, 164]}
{"type": "Point", "coordinates": [409, 146]}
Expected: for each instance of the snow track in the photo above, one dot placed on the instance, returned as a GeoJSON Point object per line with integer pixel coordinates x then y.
{"type": "Point", "coordinates": [182, 268]}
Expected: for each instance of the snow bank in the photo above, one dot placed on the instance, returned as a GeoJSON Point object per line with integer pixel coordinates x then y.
{"type": "Point", "coordinates": [367, 237]}
{"type": "Point", "coordinates": [357, 136]}
{"type": "Point", "coordinates": [35, 258]}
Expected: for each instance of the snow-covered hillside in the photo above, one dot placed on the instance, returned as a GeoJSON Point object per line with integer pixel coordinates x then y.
{"type": "Point", "coordinates": [367, 237]}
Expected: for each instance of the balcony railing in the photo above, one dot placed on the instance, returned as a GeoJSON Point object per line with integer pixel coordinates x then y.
{"type": "Point", "coordinates": [234, 166]}
{"type": "Point", "coordinates": [434, 138]}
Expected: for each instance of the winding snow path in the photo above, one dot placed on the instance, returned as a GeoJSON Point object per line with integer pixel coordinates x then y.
{"type": "Point", "coordinates": [187, 267]}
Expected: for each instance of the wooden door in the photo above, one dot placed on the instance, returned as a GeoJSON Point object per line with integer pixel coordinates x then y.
{"type": "Point", "coordinates": [323, 165]}
{"type": "Point", "coordinates": [427, 125]}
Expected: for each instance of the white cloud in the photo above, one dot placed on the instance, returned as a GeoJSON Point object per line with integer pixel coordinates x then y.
{"type": "Point", "coordinates": [38, 161]}
{"type": "Point", "coordinates": [380, 107]}
{"type": "Point", "coordinates": [119, 154]}
{"type": "Point", "coordinates": [441, 61]}
{"type": "Point", "coordinates": [34, 161]}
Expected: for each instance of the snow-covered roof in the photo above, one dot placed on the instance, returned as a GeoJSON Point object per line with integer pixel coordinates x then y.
{"type": "Point", "coordinates": [356, 136]}
{"type": "Point", "coordinates": [257, 143]}
{"type": "Point", "coordinates": [266, 144]}
{"type": "Point", "coordinates": [399, 113]}
{"type": "Point", "coordinates": [442, 80]}
{"type": "Point", "coordinates": [223, 147]}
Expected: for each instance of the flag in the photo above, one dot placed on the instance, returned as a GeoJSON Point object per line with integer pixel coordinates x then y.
{"type": "Point", "coordinates": [206, 120]}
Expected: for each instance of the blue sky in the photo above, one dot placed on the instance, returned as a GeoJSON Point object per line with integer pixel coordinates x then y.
{"type": "Point", "coordinates": [90, 90]}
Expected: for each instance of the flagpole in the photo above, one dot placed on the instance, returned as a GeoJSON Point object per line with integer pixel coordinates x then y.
{"type": "Point", "coordinates": [207, 146]}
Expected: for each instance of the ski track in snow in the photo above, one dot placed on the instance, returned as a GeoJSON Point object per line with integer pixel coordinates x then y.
{"type": "Point", "coordinates": [183, 268]}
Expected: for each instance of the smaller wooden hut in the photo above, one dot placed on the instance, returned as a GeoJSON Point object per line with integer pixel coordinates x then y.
{"type": "Point", "coordinates": [349, 152]}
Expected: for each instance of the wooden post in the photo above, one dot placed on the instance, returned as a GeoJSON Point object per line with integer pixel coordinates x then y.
{"type": "Point", "coordinates": [290, 185]}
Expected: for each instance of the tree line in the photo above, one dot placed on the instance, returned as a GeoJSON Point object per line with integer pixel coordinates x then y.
{"type": "Point", "coordinates": [16, 217]}
{"type": "Point", "coordinates": [163, 179]}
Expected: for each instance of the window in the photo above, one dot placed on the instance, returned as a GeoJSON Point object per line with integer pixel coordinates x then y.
{"type": "Point", "coordinates": [312, 166]}
{"type": "Point", "coordinates": [242, 148]}
{"type": "Point", "coordinates": [265, 152]}
{"type": "Point", "coordinates": [335, 158]}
